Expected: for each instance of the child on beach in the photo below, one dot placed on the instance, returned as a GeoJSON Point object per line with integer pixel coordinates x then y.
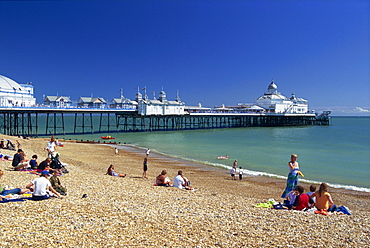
{"type": "Point", "coordinates": [240, 173]}
{"type": "Point", "coordinates": [147, 152]}
{"type": "Point", "coordinates": [116, 151]}
{"type": "Point", "coordinates": [290, 199]}
{"type": "Point", "coordinates": [145, 167]}
{"type": "Point", "coordinates": [302, 200]}
{"type": "Point", "coordinates": [33, 162]}
{"type": "Point", "coordinates": [312, 190]}
{"type": "Point", "coordinates": [313, 199]}
{"type": "Point", "coordinates": [232, 172]}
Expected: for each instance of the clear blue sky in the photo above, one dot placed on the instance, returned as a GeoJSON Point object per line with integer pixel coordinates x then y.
{"type": "Point", "coordinates": [213, 52]}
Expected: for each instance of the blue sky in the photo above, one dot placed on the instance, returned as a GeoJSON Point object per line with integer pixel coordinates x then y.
{"type": "Point", "coordinates": [213, 52]}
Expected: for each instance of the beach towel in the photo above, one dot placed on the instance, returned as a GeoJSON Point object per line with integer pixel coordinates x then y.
{"type": "Point", "coordinates": [343, 209]}
{"type": "Point", "coordinates": [5, 200]}
{"type": "Point", "coordinates": [268, 204]}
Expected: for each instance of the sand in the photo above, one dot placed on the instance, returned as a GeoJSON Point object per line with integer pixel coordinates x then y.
{"type": "Point", "coordinates": [131, 212]}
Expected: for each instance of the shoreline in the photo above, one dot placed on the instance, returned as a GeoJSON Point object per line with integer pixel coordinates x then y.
{"type": "Point", "coordinates": [253, 174]}
{"type": "Point", "coordinates": [131, 212]}
{"type": "Point", "coordinates": [278, 183]}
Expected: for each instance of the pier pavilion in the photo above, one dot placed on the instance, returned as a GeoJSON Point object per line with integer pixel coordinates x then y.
{"type": "Point", "coordinates": [35, 122]}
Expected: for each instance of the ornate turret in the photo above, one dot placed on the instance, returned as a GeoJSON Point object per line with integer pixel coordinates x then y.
{"type": "Point", "coordinates": [139, 96]}
{"type": "Point", "coordinates": [272, 89]}
{"type": "Point", "coordinates": [162, 96]}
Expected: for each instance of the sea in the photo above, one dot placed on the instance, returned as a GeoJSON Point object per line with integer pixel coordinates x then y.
{"type": "Point", "coordinates": [338, 154]}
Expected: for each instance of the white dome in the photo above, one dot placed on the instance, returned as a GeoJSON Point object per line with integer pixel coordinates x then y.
{"type": "Point", "coordinates": [7, 84]}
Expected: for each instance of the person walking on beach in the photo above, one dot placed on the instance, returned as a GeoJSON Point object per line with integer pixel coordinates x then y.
{"type": "Point", "coordinates": [145, 167]}
{"type": "Point", "coordinates": [147, 152]}
{"type": "Point", "coordinates": [51, 146]}
{"type": "Point", "coordinates": [116, 151]}
{"type": "Point", "coordinates": [292, 180]}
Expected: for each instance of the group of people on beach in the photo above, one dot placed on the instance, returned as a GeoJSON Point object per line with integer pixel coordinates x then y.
{"type": "Point", "coordinates": [294, 194]}
{"type": "Point", "coordinates": [180, 181]}
{"type": "Point", "coordinates": [48, 184]}
{"type": "Point", "coordinates": [234, 171]}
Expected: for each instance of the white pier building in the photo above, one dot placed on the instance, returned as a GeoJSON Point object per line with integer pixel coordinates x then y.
{"type": "Point", "coordinates": [13, 94]}
{"type": "Point", "coordinates": [162, 106]}
{"type": "Point", "coordinates": [274, 101]}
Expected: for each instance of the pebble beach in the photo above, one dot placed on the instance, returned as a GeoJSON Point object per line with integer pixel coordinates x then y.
{"type": "Point", "coordinates": [131, 212]}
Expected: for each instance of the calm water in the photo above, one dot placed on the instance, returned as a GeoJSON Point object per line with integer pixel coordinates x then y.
{"type": "Point", "coordinates": [338, 154]}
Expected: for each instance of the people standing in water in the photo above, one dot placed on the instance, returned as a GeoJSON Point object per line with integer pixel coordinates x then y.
{"type": "Point", "coordinates": [292, 180]}
{"type": "Point", "coordinates": [145, 167]}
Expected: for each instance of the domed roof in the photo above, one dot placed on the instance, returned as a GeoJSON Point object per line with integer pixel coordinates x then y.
{"type": "Point", "coordinates": [9, 84]}
{"type": "Point", "coordinates": [272, 86]}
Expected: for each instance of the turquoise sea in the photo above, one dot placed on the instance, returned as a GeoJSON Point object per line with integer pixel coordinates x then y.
{"type": "Point", "coordinates": [338, 154]}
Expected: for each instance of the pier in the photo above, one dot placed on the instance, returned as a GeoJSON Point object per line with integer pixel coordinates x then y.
{"type": "Point", "coordinates": [34, 122]}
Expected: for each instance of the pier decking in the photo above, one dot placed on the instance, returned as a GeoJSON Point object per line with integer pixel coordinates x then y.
{"type": "Point", "coordinates": [35, 122]}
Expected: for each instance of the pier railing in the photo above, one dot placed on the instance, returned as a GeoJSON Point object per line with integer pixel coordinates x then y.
{"type": "Point", "coordinates": [47, 121]}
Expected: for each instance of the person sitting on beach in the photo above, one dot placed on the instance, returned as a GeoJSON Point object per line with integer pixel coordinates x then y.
{"type": "Point", "coordinates": [19, 162]}
{"type": "Point", "coordinates": [45, 165]}
{"type": "Point", "coordinates": [111, 172]}
{"type": "Point", "coordinates": [181, 182]}
{"type": "Point", "coordinates": [9, 145]}
{"type": "Point", "coordinates": [323, 198]}
{"type": "Point", "coordinates": [290, 199]}
{"type": "Point", "coordinates": [162, 180]}
{"type": "Point", "coordinates": [312, 190]}
{"type": "Point", "coordinates": [56, 184]}
{"type": "Point", "coordinates": [302, 200]}
{"type": "Point", "coordinates": [313, 199]}
{"type": "Point", "coordinates": [33, 162]}
{"type": "Point", "coordinates": [4, 192]}
{"type": "Point", "coordinates": [41, 187]}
